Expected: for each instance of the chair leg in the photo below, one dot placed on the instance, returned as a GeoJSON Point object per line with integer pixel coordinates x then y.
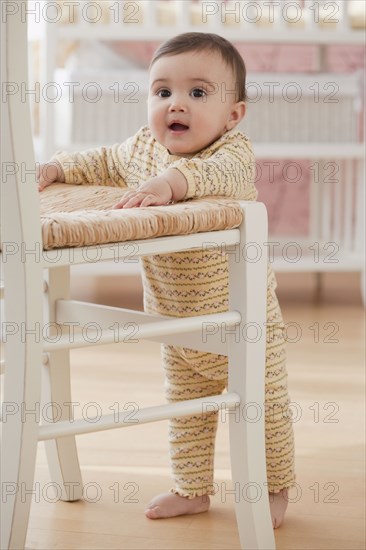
{"type": "Point", "coordinates": [20, 407]}
{"type": "Point", "coordinates": [61, 453]}
{"type": "Point", "coordinates": [19, 438]}
{"type": "Point", "coordinates": [246, 356]}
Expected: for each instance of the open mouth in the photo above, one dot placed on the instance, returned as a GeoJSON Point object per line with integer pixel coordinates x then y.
{"type": "Point", "coordinates": [177, 127]}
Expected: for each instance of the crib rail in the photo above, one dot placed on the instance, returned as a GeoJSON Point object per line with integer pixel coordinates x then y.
{"type": "Point", "coordinates": [301, 20]}
{"type": "Point", "coordinates": [302, 108]}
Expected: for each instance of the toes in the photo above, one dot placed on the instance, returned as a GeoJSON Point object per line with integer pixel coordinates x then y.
{"type": "Point", "coordinates": [153, 512]}
{"type": "Point", "coordinates": [276, 522]}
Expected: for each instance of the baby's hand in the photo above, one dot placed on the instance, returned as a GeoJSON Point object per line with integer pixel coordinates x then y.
{"type": "Point", "coordinates": [154, 192]}
{"type": "Point", "coordinates": [48, 173]}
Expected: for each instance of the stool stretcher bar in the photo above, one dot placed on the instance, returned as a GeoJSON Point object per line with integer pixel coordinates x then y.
{"type": "Point", "coordinates": [149, 330]}
{"type": "Point", "coordinates": [201, 405]}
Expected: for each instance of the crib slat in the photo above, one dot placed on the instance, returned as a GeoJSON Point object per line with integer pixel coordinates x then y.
{"type": "Point", "coordinates": [182, 14]}
{"type": "Point", "coordinates": [326, 202]}
{"type": "Point", "coordinates": [347, 179]}
{"type": "Point", "coordinates": [337, 203]}
{"type": "Point", "coordinates": [309, 14]}
{"type": "Point", "coordinates": [343, 16]}
{"type": "Point", "coordinates": [279, 20]}
{"type": "Point", "coordinates": [315, 206]}
{"type": "Point", "coordinates": [149, 18]}
{"type": "Point", "coordinates": [359, 239]}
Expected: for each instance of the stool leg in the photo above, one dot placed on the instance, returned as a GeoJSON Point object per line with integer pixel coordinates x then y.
{"type": "Point", "coordinates": [246, 356]}
{"type": "Point", "coordinates": [61, 453]}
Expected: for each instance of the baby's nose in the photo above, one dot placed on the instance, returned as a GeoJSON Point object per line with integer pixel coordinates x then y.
{"type": "Point", "coordinates": [177, 104]}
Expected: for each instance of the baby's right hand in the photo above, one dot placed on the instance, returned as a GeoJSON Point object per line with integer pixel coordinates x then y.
{"type": "Point", "coordinates": [48, 173]}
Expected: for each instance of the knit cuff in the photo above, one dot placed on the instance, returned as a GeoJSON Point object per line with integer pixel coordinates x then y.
{"type": "Point", "coordinates": [69, 167]}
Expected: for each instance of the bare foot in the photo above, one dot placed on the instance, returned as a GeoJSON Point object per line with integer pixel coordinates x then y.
{"type": "Point", "coordinates": [278, 505]}
{"type": "Point", "coordinates": [170, 505]}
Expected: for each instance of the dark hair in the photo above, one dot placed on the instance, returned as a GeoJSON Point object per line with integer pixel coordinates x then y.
{"type": "Point", "coordinates": [202, 41]}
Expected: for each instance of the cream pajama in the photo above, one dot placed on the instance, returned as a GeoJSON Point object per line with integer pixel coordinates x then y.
{"type": "Point", "coordinates": [196, 283]}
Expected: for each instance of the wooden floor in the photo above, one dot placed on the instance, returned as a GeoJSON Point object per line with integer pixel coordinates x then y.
{"type": "Point", "coordinates": [123, 469]}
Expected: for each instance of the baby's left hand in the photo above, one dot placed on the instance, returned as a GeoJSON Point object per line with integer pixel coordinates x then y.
{"type": "Point", "coordinates": [154, 192]}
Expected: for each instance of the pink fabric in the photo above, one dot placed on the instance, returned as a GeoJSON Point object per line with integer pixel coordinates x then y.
{"type": "Point", "coordinates": [285, 58]}
{"type": "Point", "coordinates": [283, 185]}
{"type": "Point", "coordinates": [341, 58]}
{"type": "Point", "coordinates": [139, 53]}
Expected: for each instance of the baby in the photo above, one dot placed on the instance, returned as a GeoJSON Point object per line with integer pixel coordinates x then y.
{"type": "Point", "coordinates": [190, 149]}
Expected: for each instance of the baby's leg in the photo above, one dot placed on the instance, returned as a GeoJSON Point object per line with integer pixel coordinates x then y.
{"type": "Point", "coordinates": [278, 423]}
{"type": "Point", "coordinates": [192, 442]}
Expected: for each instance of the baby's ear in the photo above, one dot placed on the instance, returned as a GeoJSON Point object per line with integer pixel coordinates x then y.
{"type": "Point", "coordinates": [236, 115]}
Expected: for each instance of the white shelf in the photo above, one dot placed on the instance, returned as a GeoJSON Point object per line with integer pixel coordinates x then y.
{"type": "Point", "coordinates": [100, 31]}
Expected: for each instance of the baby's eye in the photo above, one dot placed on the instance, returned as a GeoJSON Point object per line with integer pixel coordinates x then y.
{"type": "Point", "coordinates": [164, 93]}
{"type": "Point", "coordinates": [198, 92]}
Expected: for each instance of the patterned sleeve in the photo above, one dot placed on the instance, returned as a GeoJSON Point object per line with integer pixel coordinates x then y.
{"type": "Point", "coordinates": [225, 168]}
{"type": "Point", "coordinates": [111, 166]}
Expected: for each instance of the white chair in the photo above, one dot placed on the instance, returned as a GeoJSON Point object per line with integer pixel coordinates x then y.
{"type": "Point", "coordinates": [29, 279]}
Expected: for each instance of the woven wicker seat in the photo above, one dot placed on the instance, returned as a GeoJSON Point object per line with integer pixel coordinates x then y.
{"type": "Point", "coordinates": [75, 216]}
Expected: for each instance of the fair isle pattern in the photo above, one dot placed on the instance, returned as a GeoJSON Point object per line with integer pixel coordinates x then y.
{"type": "Point", "coordinates": [194, 283]}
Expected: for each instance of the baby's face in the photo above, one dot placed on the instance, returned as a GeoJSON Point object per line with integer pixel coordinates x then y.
{"type": "Point", "coordinates": [192, 101]}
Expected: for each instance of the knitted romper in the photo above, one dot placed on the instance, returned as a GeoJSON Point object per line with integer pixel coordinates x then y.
{"type": "Point", "coordinates": [196, 283]}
